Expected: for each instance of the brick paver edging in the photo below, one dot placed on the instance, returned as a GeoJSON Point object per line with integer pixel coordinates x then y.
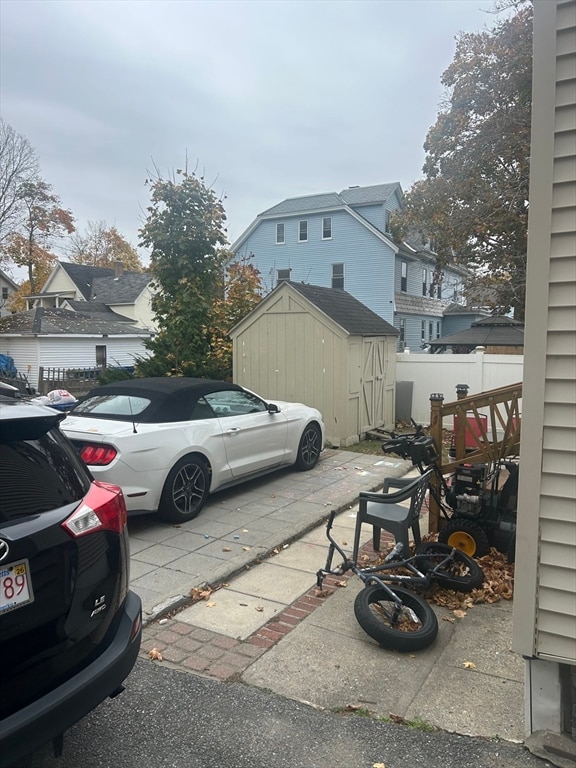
{"type": "Point", "coordinates": [225, 658]}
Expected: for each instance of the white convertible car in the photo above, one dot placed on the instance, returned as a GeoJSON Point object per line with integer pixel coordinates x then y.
{"type": "Point", "coordinates": [169, 442]}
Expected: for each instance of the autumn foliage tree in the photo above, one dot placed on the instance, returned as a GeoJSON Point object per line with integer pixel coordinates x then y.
{"type": "Point", "coordinates": [18, 166]}
{"type": "Point", "coordinates": [102, 246]}
{"type": "Point", "coordinates": [184, 230]}
{"type": "Point", "coordinates": [42, 223]}
{"type": "Point", "coordinates": [242, 291]}
{"type": "Point", "coordinates": [473, 202]}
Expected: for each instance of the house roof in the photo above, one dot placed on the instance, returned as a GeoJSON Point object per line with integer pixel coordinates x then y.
{"type": "Point", "coordinates": [378, 193]}
{"type": "Point", "coordinates": [345, 310]}
{"type": "Point", "coordinates": [101, 284]}
{"type": "Point", "coordinates": [8, 280]}
{"type": "Point", "coordinates": [409, 304]}
{"type": "Point", "coordinates": [119, 290]}
{"type": "Point", "coordinates": [95, 308]}
{"type": "Point", "coordinates": [495, 331]}
{"type": "Point", "coordinates": [48, 321]}
{"type": "Point", "coordinates": [461, 309]}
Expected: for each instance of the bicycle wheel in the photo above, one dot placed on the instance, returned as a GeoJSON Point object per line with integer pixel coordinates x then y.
{"type": "Point", "coordinates": [415, 627]}
{"type": "Point", "coordinates": [461, 573]}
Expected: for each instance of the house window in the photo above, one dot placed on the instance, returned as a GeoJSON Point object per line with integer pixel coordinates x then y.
{"type": "Point", "coordinates": [4, 294]}
{"type": "Point", "coordinates": [431, 290]}
{"type": "Point", "coordinates": [282, 274]}
{"type": "Point", "coordinates": [327, 228]}
{"type": "Point", "coordinates": [402, 337]}
{"type": "Point", "coordinates": [338, 276]}
{"type": "Point", "coordinates": [439, 291]}
{"type": "Point", "coordinates": [404, 276]}
{"type": "Point", "coordinates": [424, 281]}
{"type": "Point", "coordinates": [437, 329]}
{"type": "Point", "coordinates": [280, 233]}
{"type": "Point", "coordinates": [423, 334]}
{"type": "Point", "coordinates": [100, 355]}
{"type": "Point", "coordinates": [302, 231]}
{"type": "Point", "coordinates": [386, 221]}
{"type": "Point", "coordinates": [430, 330]}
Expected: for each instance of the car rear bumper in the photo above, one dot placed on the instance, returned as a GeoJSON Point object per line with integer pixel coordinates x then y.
{"type": "Point", "coordinates": [48, 717]}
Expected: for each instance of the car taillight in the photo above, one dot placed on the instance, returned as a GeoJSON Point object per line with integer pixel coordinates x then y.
{"type": "Point", "coordinates": [102, 509]}
{"type": "Point", "coordinates": [98, 455]}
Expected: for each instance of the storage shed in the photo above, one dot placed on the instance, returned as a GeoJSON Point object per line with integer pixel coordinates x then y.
{"type": "Point", "coordinates": [324, 348]}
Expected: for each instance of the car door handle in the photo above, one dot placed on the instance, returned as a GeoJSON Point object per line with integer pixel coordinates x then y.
{"type": "Point", "coordinates": [232, 430]}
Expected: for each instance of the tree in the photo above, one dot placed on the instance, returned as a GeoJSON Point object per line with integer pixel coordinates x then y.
{"type": "Point", "coordinates": [103, 246]}
{"type": "Point", "coordinates": [44, 263]}
{"type": "Point", "coordinates": [43, 222]}
{"type": "Point", "coordinates": [473, 203]}
{"type": "Point", "coordinates": [18, 166]}
{"type": "Point", "coordinates": [184, 230]}
{"type": "Point", "coordinates": [242, 292]}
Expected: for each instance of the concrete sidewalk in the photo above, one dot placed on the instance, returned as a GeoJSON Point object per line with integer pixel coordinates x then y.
{"type": "Point", "coordinates": [267, 627]}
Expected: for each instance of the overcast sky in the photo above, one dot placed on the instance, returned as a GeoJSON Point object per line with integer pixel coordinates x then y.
{"type": "Point", "coordinates": [271, 98]}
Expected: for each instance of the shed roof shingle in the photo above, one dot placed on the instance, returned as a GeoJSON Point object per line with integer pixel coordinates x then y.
{"type": "Point", "coordinates": [345, 310]}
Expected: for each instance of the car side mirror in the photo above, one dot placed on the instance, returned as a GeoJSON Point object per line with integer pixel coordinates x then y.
{"type": "Point", "coordinates": [273, 408]}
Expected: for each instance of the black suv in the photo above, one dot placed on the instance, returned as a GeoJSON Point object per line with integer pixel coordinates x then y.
{"type": "Point", "coordinates": [70, 629]}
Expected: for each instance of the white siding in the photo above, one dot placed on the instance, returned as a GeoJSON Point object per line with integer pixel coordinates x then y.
{"type": "Point", "coordinates": [545, 601]}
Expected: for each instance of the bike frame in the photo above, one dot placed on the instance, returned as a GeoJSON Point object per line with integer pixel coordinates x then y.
{"type": "Point", "coordinates": [380, 574]}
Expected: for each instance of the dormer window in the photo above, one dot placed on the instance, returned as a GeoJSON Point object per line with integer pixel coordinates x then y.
{"type": "Point", "coordinates": [302, 231]}
{"type": "Point", "coordinates": [280, 233]}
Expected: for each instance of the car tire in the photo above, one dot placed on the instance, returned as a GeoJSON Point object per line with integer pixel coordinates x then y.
{"type": "Point", "coordinates": [309, 448]}
{"type": "Point", "coordinates": [185, 490]}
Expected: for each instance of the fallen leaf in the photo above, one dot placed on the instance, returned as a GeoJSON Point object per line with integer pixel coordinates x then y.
{"type": "Point", "coordinates": [246, 549]}
{"type": "Point", "coordinates": [352, 707]}
{"type": "Point", "coordinates": [211, 604]}
{"type": "Point", "coordinates": [226, 549]}
{"type": "Point", "coordinates": [321, 593]}
{"type": "Point", "coordinates": [397, 719]}
{"type": "Point", "coordinates": [459, 614]}
{"type": "Point", "coordinates": [469, 665]}
{"type": "Point", "coordinates": [378, 765]}
{"type": "Point", "coordinates": [260, 608]}
{"type": "Point", "coordinates": [155, 655]}
{"type": "Point", "coordinates": [451, 619]}
{"type": "Point", "coordinates": [200, 593]}
{"type": "Point", "coordinates": [341, 583]}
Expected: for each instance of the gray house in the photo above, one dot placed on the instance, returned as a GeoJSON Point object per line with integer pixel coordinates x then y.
{"type": "Point", "coordinates": [343, 241]}
{"type": "Point", "coordinates": [545, 584]}
{"type": "Point", "coordinates": [322, 347]}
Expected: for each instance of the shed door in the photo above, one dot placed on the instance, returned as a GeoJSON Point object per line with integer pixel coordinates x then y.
{"type": "Point", "coordinates": [373, 383]}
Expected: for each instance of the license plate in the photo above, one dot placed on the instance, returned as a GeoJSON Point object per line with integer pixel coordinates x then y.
{"type": "Point", "coordinates": [15, 586]}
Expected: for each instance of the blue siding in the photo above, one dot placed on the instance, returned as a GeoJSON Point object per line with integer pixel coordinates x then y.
{"type": "Point", "coordinates": [369, 263]}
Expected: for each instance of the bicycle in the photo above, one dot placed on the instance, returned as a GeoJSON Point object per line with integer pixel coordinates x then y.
{"type": "Point", "coordinates": [478, 513]}
{"type": "Point", "coordinates": [396, 617]}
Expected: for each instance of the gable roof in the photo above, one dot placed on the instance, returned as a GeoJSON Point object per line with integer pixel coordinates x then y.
{"type": "Point", "coordinates": [48, 321]}
{"type": "Point", "coordinates": [100, 283]}
{"type": "Point", "coordinates": [349, 313]}
{"type": "Point", "coordinates": [329, 201]}
{"type": "Point", "coordinates": [119, 290]}
{"type": "Point", "coordinates": [378, 193]}
{"type": "Point", "coordinates": [8, 280]}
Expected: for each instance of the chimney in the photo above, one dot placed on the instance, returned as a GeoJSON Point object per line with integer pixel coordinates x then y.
{"type": "Point", "coordinates": [118, 269]}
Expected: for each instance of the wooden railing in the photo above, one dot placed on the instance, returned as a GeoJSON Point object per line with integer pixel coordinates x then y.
{"type": "Point", "coordinates": [479, 437]}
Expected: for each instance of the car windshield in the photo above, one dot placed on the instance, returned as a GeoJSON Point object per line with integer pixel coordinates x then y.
{"type": "Point", "coordinates": [112, 405]}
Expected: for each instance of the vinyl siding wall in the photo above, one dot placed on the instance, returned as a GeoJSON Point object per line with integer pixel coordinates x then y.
{"type": "Point", "coordinates": [80, 352]}
{"type": "Point", "coordinates": [545, 591]}
{"type": "Point", "coordinates": [369, 262]}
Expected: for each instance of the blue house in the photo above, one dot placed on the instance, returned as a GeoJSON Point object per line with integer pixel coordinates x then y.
{"type": "Point", "coordinates": [342, 240]}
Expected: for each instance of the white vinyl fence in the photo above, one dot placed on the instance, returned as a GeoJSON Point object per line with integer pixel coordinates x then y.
{"type": "Point", "coordinates": [441, 373]}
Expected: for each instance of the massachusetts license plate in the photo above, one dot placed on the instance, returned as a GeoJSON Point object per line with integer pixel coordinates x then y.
{"type": "Point", "coordinates": [15, 586]}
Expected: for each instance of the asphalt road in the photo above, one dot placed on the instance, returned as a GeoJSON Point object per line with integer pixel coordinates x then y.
{"type": "Point", "coordinates": [167, 718]}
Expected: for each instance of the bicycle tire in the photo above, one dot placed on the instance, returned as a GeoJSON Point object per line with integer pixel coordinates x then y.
{"type": "Point", "coordinates": [462, 575]}
{"type": "Point", "coordinates": [418, 626]}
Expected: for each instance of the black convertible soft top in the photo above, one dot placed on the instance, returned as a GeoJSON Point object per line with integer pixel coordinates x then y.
{"type": "Point", "coordinates": [172, 398]}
